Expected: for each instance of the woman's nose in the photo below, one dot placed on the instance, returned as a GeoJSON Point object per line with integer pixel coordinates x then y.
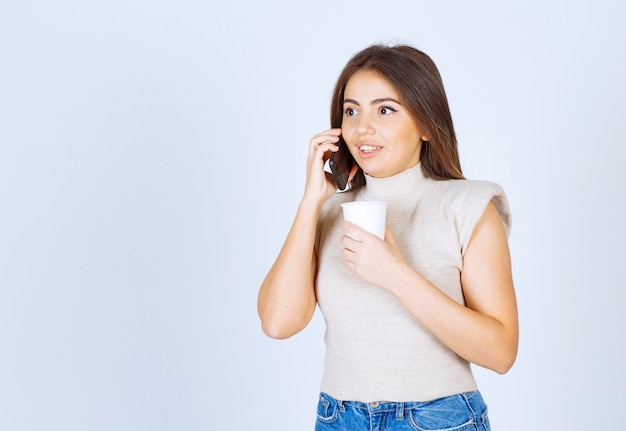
{"type": "Point", "coordinates": [365, 125]}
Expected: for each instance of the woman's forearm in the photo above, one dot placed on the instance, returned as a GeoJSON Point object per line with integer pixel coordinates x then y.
{"type": "Point", "coordinates": [480, 338]}
{"type": "Point", "coordinates": [286, 299]}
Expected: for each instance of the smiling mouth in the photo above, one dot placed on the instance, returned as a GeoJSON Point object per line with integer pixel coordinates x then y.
{"type": "Point", "coordinates": [368, 148]}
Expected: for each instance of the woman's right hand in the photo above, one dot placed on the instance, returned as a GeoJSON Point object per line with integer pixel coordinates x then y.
{"type": "Point", "coordinates": [320, 185]}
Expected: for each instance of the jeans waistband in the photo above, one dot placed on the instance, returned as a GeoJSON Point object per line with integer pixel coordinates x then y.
{"type": "Point", "coordinates": [472, 398]}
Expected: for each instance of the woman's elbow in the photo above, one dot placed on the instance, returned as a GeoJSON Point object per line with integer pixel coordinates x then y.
{"type": "Point", "coordinates": [504, 367]}
{"type": "Point", "coordinates": [283, 326]}
{"type": "Point", "coordinates": [505, 361]}
{"type": "Point", "coordinates": [275, 331]}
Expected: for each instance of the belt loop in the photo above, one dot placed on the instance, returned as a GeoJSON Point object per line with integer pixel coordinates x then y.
{"type": "Point", "coordinates": [342, 408]}
{"type": "Point", "coordinates": [399, 411]}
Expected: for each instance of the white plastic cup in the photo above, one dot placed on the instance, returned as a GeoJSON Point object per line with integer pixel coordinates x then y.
{"type": "Point", "coordinates": [368, 215]}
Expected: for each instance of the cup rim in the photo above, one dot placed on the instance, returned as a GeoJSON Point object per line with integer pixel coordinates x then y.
{"type": "Point", "coordinates": [364, 203]}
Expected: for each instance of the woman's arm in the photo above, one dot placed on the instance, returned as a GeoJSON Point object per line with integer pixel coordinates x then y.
{"type": "Point", "coordinates": [485, 331]}
{"type": "Point", "coordinates": [286, 300]}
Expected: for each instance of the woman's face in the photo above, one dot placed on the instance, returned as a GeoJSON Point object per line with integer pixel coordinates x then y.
{"type": "Point", "coordinates": [380, 132]}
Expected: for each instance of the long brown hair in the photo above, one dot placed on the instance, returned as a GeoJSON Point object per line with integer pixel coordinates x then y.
{"type": "Point", "coordinates": [416, 78]}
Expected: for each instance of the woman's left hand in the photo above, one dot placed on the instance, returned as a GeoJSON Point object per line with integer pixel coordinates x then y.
{"type": "Point", "coordinates": [369, 257]}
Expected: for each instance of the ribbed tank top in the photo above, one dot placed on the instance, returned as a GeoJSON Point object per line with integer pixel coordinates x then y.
{"type": "Point", "coordinates": [375, 350]}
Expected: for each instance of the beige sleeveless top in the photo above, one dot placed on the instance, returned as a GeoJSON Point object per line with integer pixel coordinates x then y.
{"type": "Point", "coordinates": [375, 350]}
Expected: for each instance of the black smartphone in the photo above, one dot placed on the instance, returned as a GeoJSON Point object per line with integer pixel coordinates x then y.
{"type": "Point", "coordinates": [341, 164]}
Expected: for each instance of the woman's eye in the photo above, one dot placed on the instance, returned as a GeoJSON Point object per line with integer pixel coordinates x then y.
{"type": "Point", "coordinates": [386, 110]}
{"type": "Point", "coordinates": [349, 112]}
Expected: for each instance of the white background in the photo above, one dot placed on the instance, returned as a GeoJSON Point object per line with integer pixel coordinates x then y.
{"type": "Point", "coordinates": [152, 157]}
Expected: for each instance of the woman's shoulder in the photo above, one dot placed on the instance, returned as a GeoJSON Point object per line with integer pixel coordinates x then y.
{"type": "Point", "coordinates": [471, 197]}
{"type": "Point", "coordinates": [465, 186]}
{"type": "Point", "coordinates": [451, 191]}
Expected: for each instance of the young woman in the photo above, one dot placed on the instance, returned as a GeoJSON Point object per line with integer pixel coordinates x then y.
{"type": "Point", "coordinates": [405, 316]}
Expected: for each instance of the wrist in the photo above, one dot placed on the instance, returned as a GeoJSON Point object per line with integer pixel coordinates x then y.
{"type": "Point", "coordinates": [403, 279]}
{"type": "Point", "coordinates": [312, 203]}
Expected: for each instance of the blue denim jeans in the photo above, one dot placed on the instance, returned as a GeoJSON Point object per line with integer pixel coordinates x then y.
{"type": "Point", "coordinates": [465, 411]}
